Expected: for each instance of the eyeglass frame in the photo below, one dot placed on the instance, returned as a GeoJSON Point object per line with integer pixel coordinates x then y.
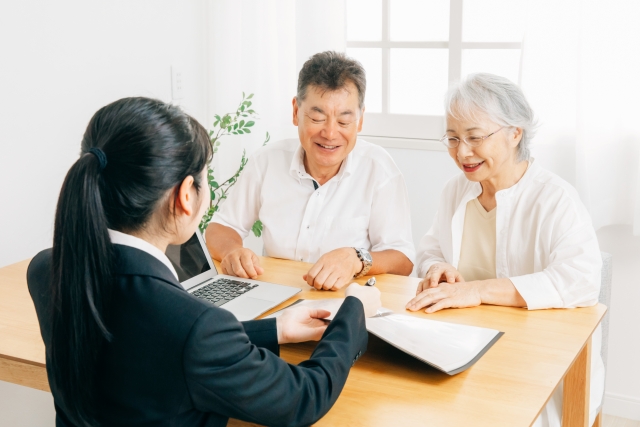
{"type": "Point", "coordinates": [445, 138]}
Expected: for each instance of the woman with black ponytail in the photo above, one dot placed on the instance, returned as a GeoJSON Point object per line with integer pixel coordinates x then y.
{"type": "Point", "coordinates": [126, 345]}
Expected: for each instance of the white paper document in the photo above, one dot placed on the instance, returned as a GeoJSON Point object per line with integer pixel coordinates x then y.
{"type": "Point", "coordinates": [449, 347]}
{"type": "Point", "coordinates": [330, 304]}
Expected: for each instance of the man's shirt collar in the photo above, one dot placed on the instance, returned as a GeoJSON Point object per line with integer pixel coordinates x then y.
{"type": "Point", "coordinates": [297, 169]}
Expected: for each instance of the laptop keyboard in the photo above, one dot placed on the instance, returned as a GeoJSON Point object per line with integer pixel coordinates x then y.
{"type": "Point", "coordinates": [223, 290]}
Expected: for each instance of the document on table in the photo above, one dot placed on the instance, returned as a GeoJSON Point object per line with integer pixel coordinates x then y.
{"type": "Point", "coordinates": [449, 347]}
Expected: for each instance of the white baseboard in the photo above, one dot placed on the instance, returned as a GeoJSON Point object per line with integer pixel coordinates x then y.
{"type": "Point", "coordinates": [622, 406]}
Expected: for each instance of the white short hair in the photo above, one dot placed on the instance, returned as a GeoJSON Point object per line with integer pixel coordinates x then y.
{"type": "Point", "coordinates": [498, 98]}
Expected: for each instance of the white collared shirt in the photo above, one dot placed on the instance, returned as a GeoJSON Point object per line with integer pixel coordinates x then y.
{"type": "Point", "coordinates": [546, 246]}
{"type": "Point", "coordinates": [545, 242]}
{"type": "Point", "coordinates": [366, 205]}
{"type": "Point", "coordinates": [119, 238]}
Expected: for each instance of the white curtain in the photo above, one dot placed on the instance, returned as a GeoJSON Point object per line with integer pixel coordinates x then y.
{"type": "Point", "coordinates": [258, 46]}
{"type": "Point", "coordinates": [581, 73]}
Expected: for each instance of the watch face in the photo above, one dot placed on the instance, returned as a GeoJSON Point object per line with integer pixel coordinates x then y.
{"type": "Point", "coordinates": [366, 255]}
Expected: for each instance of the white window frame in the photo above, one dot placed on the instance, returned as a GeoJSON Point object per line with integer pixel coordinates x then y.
{"type": "Point", "coordinates": [417, 131]}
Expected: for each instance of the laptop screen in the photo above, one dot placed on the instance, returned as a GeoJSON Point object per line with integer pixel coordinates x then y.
{"type": "Point", "coordinates": [189, 259]}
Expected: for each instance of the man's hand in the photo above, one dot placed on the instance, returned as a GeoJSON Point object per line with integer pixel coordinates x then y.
{"type": "Point", "coordinates": [299, 324]}
{"type": "Point", "coordinates": [241, 262]}
{"type": "Point", "coordinates": [440, 272]}
{"type": "Point", "coordinates": [334, 269]}
{"type": "Point", "coordinates": [447, 295]}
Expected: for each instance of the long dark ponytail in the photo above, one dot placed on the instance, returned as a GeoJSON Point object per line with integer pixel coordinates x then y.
{"type": "Point", "coordinates": [149, 148]}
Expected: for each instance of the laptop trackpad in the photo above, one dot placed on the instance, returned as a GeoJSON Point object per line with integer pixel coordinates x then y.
{"type": "Point", "coordinates": [247, 308]}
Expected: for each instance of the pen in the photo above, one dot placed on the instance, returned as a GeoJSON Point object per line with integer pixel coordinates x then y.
{"type": "Point", "coordinates": [371, 282]}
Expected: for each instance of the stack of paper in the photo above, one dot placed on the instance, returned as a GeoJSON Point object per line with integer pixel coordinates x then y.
{"type": "Point", "coordinates": [449, 347]}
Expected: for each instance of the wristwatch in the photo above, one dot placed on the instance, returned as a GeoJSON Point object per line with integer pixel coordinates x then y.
{"type": "Point", "coordinates": [366, 259]}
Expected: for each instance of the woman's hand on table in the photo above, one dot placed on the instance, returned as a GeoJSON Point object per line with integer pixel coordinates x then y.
{"type": "Point", "coordinates": [437, 273]}
{"type": "Point", "coordinates": [447, 295]}
{"type": "Point", "coordinates": [299, 324]}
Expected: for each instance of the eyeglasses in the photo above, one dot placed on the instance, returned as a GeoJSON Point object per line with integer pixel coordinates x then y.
{"type": "Point", "coordinates": [471, 141]}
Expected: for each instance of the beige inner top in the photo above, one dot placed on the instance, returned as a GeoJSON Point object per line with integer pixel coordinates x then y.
{"type": "Point", "coordinates": [478, 250]}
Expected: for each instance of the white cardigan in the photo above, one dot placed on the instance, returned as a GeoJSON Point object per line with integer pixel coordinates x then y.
{"type": "Point", "coordinates": [545, 242]}
{"type": "Point", "coordinates": [546, 246]}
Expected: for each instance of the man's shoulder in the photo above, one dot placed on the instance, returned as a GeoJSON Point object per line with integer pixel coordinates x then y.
{"type": "Point", "coordinates": [376, 157]}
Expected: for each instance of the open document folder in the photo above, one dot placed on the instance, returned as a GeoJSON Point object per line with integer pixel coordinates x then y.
{"type": "Point", "coordinates": [449, 347]}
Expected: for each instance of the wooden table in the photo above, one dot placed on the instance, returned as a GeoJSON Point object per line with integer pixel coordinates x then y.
{"type": "Point", "coordinates": [508, 386]}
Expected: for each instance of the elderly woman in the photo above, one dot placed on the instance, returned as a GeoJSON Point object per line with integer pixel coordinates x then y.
{"type": "Point", "coordinates": [507, 231]}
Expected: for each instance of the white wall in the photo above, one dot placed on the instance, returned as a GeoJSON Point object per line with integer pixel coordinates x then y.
{"type": "Point", "coordinates": [259, 47]}
{"type": "Point", "coordinates": [622, 391]}
{"type": "Point", "coordinates": [61, 61]}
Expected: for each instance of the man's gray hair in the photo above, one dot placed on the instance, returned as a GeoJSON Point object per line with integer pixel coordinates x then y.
{"type": "Point", "coordinates": [331, 71]}
{"type": "Point", "coordinates": [497, 97]}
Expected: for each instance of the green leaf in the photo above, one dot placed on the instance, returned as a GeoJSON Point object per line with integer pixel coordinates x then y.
{"type": "Point", "coordinates": [242, 108]}
{"type": "Point", "coordinates": [250, 96]}
{"type": "Point", "coordinates": [257, 228]}
{"type": "Point", "coordinates": [247, 130]}
{"type": "Point", "coordinates": [241, 123]}
{"type": "Point", "coordinates": [242, 95]}
{"type": "Point", "coordinates": [235, 126]}
{"type": "Point", "coordinates": [240, 131]}
{"type": "Point", "coordinates": [249, 124]}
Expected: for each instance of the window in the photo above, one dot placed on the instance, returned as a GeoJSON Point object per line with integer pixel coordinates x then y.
{"type": "Point", "coordinates": [413, 49]}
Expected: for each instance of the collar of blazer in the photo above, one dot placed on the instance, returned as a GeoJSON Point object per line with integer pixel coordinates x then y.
{"type": "Point", "coordinates": [134, 262]}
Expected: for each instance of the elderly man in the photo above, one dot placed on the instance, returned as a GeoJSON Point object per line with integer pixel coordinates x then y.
{"type": "Point", "coordinates": [331, 199]}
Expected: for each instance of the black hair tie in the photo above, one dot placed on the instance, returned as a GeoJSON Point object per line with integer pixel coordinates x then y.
{"type": "Point", "coordinates": [102, 158]}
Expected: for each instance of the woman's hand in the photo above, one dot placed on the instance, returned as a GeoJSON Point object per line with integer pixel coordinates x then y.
{"type": "Point", "coordinates": [437, 273]}
{"type": "Point", "coordinates": [447, 295]}
{"type": "Point", "coordinates": [368, 295]}
{"type": "Point", "coordinates": [298, 324]}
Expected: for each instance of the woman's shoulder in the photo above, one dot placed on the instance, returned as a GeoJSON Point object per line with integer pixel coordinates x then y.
{"type": "Point", "coordinates": [551, 184]}
{"type": "Point", "coordinates": [545, 188]}
{"type": "Point", "coordinates": [39, 276]}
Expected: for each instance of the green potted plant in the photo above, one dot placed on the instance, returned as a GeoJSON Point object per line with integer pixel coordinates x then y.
{"type": "Point", "coordinates": [239, 122]}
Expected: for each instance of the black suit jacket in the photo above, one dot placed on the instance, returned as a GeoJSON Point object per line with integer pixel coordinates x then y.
{"type": "Point", "coordinates": [176, 360]}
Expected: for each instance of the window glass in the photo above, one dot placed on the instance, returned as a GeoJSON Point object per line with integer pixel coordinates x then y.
{"type": "Point", "coordinates": [364, 20]}
{"type": "Point", "coordinates": [371, 60]}
{"type": "Point", "coordinates": [492, 20]}
{"type": "Point", "coordinates": [419, 20]}
{"type": "Point", "coordinates": [418, 81]}
{"type": "Point", "coordinates": [503, 62]}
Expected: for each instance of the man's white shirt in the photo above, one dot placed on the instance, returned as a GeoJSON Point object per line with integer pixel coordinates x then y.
{"type": "Point", "coordinates": [366, 205]}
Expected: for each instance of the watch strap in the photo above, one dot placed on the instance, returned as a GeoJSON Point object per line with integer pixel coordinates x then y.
{"type": "Point", "coordinates": [367, 261]}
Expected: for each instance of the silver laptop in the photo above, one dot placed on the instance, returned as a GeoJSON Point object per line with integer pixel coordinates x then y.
{"type": "Point", "coordinates": [245, 298]}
